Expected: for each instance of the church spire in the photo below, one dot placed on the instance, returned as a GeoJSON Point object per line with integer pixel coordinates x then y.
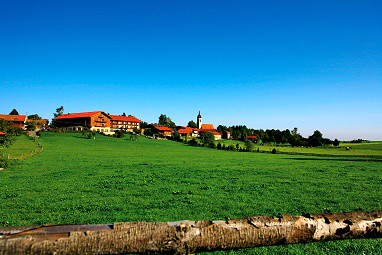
{"type": "Point", "coordinates": [199, 121]}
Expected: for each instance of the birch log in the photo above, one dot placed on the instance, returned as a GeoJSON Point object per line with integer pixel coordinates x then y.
{"type": "Point", "coordinates": [188, 237]}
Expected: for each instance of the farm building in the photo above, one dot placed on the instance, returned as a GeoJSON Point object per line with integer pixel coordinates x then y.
{"type": "Point", "coordinates": [127, 123]}
{"type": "Point", "coordinates": [187, 131]}
{"type": "Point", "coordinates": [162, 130]}
{"type": "Point", "coordinates": [98, 121]}
{"type": "Point", "coordinates": [15, 120]}
{"type": "Point", "coordinates": [252, 138]}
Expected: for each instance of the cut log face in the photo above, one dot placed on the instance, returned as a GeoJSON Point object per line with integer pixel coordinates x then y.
{"type": "Point", "coordinates": [188, 237]}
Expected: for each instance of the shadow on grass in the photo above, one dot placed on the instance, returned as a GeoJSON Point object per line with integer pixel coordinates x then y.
{"type": "Point", "coordinates": [336, 159]}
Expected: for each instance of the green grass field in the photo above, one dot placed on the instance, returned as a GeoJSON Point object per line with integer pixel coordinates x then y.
{"type": "Point", "coordinates": [77, 181]}
{"type": "Point", "coordinates": [361, 150]}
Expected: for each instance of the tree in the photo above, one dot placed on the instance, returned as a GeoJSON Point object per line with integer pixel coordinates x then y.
{"type": "Point", "coordinates": [221, 128]}
{"type": "Point", "coordinates": [336, 142]}
{"type": "Point", "coordinates": [249, 145]}
{"type": "Point", "coordinates": [315, 139]}
{"type": "Point", "coordinates": [123, 114]}
{"type": "Point", "coordinates": [14, 112]}
{"type": "Point", "coordinates": [191, 124]}
{"type": "Point", "coordinates": [176, 135]}
{"type": "Point", "coordinates": [163, 120]}
{"type": "Point", "coordinates": [34, 117]}
{"type": "Point", "coordinates": [144, 124]}
{"type": "Point", "coordinates": [59, 111]}
{"type": "Point", "coordinates": [208, 138]}
{"type": "Point", "coordinates": [9, 137]}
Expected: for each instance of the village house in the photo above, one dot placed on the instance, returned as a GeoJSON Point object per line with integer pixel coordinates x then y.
{"type": "Point", "coordinates": [15, 120]}
{"type": "Point", "coordinates": [188, 132]}
{"type": "Point", "coordinates": [98, 121]}
{"type": "Point", "coordinates": [162, 130]}
{"type": "Point", "coordinates": [127, 123]}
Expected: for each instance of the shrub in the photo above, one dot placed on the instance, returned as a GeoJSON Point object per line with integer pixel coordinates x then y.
{"type": "Point", "coordinates": [231, 147]}
{"type": "Point", "coordinates": [119, 134]}
{"type": "Point", "coordinates": [273, 151]}
{"type": "Point", "coordinates": [3, 162]}
{"type": "Point", "coordinates": [212, 145]}
{"type": "Point", "coordinates": [193, 142]}
{"type": "Point", "coordinates": [219, 146]}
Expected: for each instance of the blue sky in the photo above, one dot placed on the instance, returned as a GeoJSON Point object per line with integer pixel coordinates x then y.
{"type": "Point", "coordinates": [264, 64]}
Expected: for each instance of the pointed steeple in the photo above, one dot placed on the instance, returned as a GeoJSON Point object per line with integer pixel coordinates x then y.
{"type": "Point", "coordinates": [199, 121]}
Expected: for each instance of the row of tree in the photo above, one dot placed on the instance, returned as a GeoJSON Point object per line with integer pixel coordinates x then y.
{"type": "Point", "coordinates": [269, 136]}
{"type": "Point", "coordinates": [276, 136]}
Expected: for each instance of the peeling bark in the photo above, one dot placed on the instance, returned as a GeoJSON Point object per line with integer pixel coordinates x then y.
{"type": "Point", "coordinates": [188, 237]}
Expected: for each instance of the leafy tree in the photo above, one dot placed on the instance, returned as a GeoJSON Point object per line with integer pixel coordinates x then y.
{"type": "Point", "coordinates": [175, 135]}
{"type": "Point", "coordinates": [219, 146]}
{"type": "Point", "coordinates": [208, 138]}
{"type": "Point", "coordinates": [249, 145]}
{"type": "Point", "coordinates": [191, 124]}
{"type": "Point", "coordinates": [136, 130]}
{"type": "Point", "coordinates": [14, 112]}
{"type": "Point", "coordinates": [166, 121]}
{"type": "Point", "coordinates": [59, 111]}
{"type": "Point", "coordinates": [123, 114]}
{"type": "Point", "coordinates": [144, 124]}
{"type": "Point", "coordinates": [148, 132]}
{"type": "Point", "coordinates": [9, 136]}
{"type": "Point", "coordinates": [34, 117]}
{"type": "Point", "coordinates": [31, 126]}
{"type": "Point", "coordinates": [315, 139]}
{"type": "Point", "coordinates": [221, 128]}
{"type": "Point", "coordinates": [336, 143]}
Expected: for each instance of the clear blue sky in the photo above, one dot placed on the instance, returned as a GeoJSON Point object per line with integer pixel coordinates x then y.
{"type": "Point", "coordinates": [264, 64]}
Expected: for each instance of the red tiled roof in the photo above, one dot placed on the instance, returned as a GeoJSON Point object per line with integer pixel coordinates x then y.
{"type": "Point", "coordinates": [80, 115]}
{"type": "Point", "coordinates": [216, 133]}
{"type": "Point", "coordinates": [252, 137]}
{"type": "Point", "coordinates": [2, 133]}
{"type": "Point", "coordinates": [163, 128]}
{"type": "Point", "coordinates": [8, 117]}
{"type": "Point", "coordinates": [185, 130]}
{"type": "Point", "coordinates": [125, 118]}
{"type": "Point", "coordinates": [208, 127]}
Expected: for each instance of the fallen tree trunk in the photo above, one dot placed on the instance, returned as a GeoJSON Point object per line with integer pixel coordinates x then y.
{"type": "Point", "coordinates": [187, 237]}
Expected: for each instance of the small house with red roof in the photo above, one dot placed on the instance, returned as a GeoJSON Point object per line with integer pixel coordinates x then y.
{"type": "Point", "coordinates": [187, 131]}
{"type": "Point", "coordinates": [252, 138]}
{"type": "Point", "coordinates": [162, 130]}
{"type": "Point", "coordinates": [98, 121]}
{"type": "Point", "coordinates": [127, 123]}
{"type": "Point", "coordinates": [15, 120]}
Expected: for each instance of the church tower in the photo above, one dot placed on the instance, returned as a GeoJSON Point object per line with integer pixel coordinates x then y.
{"type": "Point", "coordinates": [199, 121]}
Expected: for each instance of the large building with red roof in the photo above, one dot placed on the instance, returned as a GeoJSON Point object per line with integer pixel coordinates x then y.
{"type": "Point", "coordinates": [98, 121]}
{"type": "Point", "coordinates": [127, 123]}
{"type": "Point", "coordinates": [15, 120]}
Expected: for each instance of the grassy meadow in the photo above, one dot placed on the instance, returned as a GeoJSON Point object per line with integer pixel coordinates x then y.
{"type": "Point", "coordinates": [105, 180]}
{"type": "Point", "coordinates": [356, 150]}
